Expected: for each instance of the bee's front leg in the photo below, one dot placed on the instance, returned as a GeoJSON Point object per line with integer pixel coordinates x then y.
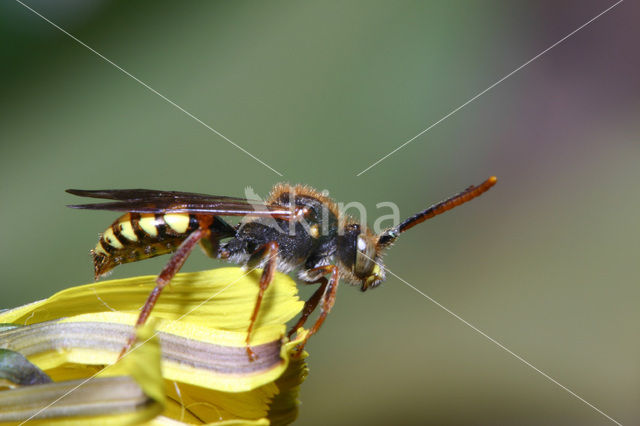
{"type": "Point", "coordinates": [328, 297]}
{"type": "Point", "coordinates": [310, 305]}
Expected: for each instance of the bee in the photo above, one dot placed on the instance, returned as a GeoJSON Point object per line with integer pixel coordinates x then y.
{"type": "Point", "coordinates": [296, 229]}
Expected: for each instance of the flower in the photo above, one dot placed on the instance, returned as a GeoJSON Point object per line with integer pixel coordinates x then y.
{"type": "Point", "coordinates": [203, 374]}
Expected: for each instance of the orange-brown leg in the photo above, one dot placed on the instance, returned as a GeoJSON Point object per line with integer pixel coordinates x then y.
{"type": "Point", "coordinates": [270, 252]}
{"type": "Point", "coordinates": [310, 305]}
{"type": "Point", "coordinates": [169, 271]}
{"type": "Point", "coordinates": [328, 299]}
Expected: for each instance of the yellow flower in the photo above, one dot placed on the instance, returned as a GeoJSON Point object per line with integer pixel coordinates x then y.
{"type": "Point", "coordinates": [203, 376]}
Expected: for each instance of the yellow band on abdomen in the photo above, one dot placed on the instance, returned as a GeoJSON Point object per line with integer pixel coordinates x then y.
{"type": "Point", "coordinates": [148, 224]}
{"type": "Point", "coordinates": [179, 222]}
{"type": "Point", "coordinates": [126, 230]}
{"type": "Point", "coordinates": [111, 239]}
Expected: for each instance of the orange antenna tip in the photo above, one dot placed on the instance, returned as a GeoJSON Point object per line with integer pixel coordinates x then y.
{"type": "Point", "coordinates": [467, 195]}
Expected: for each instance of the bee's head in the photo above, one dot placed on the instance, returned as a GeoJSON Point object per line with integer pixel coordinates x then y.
{"type": "Point", "coordinates": [359, 250]}
{"type": "Point", "coordinates": [359, 256]}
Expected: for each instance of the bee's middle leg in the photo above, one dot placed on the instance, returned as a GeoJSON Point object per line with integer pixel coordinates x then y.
{"type": "Point", "coordinates": [268, 251]}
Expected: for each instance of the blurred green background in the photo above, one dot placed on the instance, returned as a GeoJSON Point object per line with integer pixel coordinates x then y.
{"type": "Point", "coordinates": [546, 263]}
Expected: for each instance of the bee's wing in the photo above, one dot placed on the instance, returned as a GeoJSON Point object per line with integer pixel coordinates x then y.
{"type": "Point", "coordinates": [152, 201]}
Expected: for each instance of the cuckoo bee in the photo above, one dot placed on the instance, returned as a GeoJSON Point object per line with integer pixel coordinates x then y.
{"type": "Point", "coordinates": [296, 229]}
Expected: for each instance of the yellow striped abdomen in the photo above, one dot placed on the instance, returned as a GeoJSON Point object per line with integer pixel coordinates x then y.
{"type": "Point", "coordinates": [136, 236]}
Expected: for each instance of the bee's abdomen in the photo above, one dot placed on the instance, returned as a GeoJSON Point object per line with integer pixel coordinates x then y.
{"type": "Point", "coordinates": [136, 236]}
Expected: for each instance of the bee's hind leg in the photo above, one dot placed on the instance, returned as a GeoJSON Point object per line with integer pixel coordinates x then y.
{"type": "Point", "coordinates": [168, 272]}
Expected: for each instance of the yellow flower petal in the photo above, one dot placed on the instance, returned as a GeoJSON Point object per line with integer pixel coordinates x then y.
{"type": "Point", "coordinates": [221, 298]}
{"type": "Point", "coordinates": [214, 359]}
{"type": "Point", "coordinates": [142, 362]}
{"type": "Point", "coordinates": [201, 322]}
{"type": "Point", "coordinates": [129, 392]}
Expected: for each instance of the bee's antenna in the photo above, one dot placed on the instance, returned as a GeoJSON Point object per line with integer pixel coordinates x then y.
{"type": "Point", "coordinates": [389, 236]}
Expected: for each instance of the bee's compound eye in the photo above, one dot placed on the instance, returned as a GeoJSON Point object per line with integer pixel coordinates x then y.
{"type": "Point", "coordinates": [364, 257]}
